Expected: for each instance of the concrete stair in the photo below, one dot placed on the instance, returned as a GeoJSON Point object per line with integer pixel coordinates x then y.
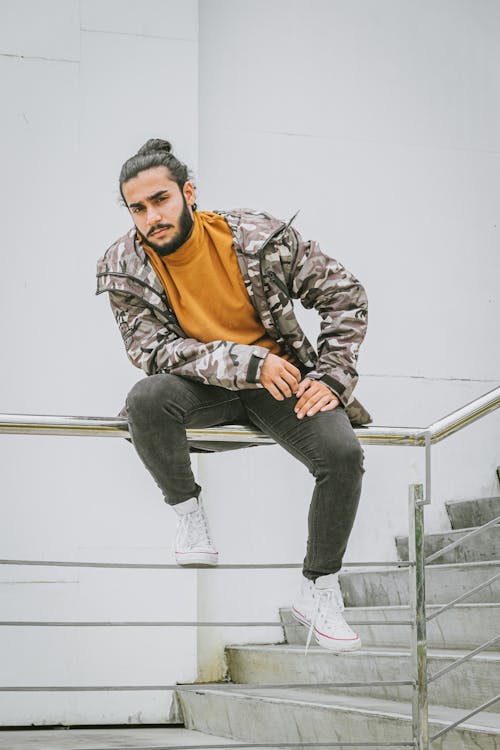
{"type": "Point", "coordinates": [472, 683]}
{"type": "Point", "coordinates": [364, 587]}
{"type": "Point", "coordinates": [482, 546]}
{"type": "Point", "coordinates": [115, 738]}
{"type": "Point", "coordinates": [465, 516]}
{"type": "Point", "coordinates": [302, 709]}
{"type": "Point", "coordinates": [298, 715]}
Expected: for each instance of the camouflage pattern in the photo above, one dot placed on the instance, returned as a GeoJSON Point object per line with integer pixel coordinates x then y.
{"type": "Point", "coordinates": [277, 266]}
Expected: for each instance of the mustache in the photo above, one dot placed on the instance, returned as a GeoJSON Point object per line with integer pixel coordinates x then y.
{"type": "Point", "coordinates": [159, 226]}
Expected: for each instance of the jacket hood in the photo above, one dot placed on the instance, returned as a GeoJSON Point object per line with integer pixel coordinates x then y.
{"type": "Point", "coordinates": [252, 229]}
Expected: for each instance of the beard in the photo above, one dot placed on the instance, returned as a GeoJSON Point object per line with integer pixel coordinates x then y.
{"type": "Point", "coordinates": [185, 223]}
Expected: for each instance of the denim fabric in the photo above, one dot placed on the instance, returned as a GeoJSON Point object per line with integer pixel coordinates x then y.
{"type": "Point", "coordinates": [161, 407]}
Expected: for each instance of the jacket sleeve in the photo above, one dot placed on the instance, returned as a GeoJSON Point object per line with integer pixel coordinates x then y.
{"type": "Point", "coordinates": [154, 346]}
{"type": "Point", "coordinates": [323, 283]}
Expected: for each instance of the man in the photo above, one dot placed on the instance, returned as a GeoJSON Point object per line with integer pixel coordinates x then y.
{"type": "Point", "coordinates": [203, 301]}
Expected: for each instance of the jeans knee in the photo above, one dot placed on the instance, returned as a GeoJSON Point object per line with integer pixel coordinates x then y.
{"type": "Point", "coordinates": [140, 397]}
{"type": "Point", "coordinates": [163, 394]}
{"type": "Point", "coordinates": [346, 456]}
{"type": "Point", "coordinates": [356, 455]}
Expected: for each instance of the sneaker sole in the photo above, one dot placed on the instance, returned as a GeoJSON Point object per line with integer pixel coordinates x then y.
{"type": "Point", "coordinates": [196, 559]}
{"type": "Point", "coordinates": [337, 645]}
{"type": "Point", "coordinates": [300, 617]}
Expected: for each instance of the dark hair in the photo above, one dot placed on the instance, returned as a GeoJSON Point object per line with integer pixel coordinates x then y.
{"type": "Point", "coordinates": [154, 153]}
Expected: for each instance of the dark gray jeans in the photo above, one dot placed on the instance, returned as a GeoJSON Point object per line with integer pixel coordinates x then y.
{"type": "Point", "coordinates": [161, 407]}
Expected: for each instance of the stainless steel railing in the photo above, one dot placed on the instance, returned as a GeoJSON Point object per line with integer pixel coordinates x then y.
{"type": "Point", "coordinates": [36, 424]}
{"type": "Point", "coordinates": [417, 499]}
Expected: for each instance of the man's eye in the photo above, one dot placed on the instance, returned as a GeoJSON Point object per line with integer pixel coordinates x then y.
{"type": "Point", "coordinates": [161, 199]}
{"type": "Point", "coordinates": [137, 209]}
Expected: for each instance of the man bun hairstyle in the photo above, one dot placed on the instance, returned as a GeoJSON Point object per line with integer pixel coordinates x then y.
{"type": "Point", "coordinates": [154, 153]}
{"type": "Point", "coordinates": [155, 144]}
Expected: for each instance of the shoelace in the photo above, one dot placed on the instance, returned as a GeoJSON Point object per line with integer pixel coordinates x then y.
{"type": "Point", "coordinates": [194, 527]}
{"type": "Point", "coordinates": [322, 601]}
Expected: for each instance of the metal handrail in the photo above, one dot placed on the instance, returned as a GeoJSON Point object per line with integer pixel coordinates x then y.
{"type": "Point", "coordinates": [477, 710]}
{"type": "Point", "coordinates": [36, 424]}
{"type": "Point", "coordinates": [168, 623]}
{"type": "Point", "coordinates": [185, 570]}
{"type": "Point", "coordinates": [463, 597]}
{"type": "Point", "coordinates": [458, 542]}
{"type": "Point", "coordinates": [217, 686]}
{"type": "Point", "coordinates": [470, 655]}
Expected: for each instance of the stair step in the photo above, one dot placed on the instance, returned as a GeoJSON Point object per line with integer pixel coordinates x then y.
{"type": "Point", "coordinates": [365, 587]}
{"type": "Point", "coordinates": [483, 546]}
{"type": "Point", "coordinates": [309, 715]}
{"type": "Point", "coordinates": [465, 626]}
{"type": "Point", "coordinates": [468, 513]}
{"type": "Point", "coordinates": [469, 685]}
{"type": "Point", "coordinates": [116, 738]}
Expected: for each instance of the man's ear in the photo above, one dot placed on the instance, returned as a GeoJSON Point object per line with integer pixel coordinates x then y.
{"type": "Point", "coordinates": [189, 193]}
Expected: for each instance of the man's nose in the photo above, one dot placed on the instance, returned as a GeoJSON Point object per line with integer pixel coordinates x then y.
{"type": "Point", "coordinates": [152, 215]}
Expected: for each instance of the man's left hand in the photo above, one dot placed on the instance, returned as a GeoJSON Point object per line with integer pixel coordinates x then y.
{"type": "Point", "coordinates": [314, 396]}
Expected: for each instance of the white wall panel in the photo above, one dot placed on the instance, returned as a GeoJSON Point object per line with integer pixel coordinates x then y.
{"type": "Point", "coordinates": [96, 656]}
{"type": "Point", "coordinates": [85, 708]}
{"type": "Point", "coordinates": [40, 214]}
{"type": "Point", "coordinates": [170, 19]}
{"type": "Point", "coordinates": [49, 29]}
{"type": "Point", "coordinates": [67, 130]}
{"type": "Point", "coordinates": [398, 72]}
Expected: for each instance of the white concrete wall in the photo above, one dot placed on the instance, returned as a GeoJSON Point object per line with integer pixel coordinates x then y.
{"type": "Point", "coordinates": [83, 85]}
{"type": "Point", "coordinates": [380, 121]}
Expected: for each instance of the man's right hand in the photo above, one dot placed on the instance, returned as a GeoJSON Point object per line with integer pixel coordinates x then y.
{"type": "Point", "coordinates": [279, 377]}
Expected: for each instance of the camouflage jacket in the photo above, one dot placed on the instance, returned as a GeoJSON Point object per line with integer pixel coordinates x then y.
{"type": "Point", "coordinates": [277, 266]}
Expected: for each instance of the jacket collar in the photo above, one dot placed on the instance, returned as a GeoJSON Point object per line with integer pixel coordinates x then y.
{"type": "Point", "coordinates": [251, 230]}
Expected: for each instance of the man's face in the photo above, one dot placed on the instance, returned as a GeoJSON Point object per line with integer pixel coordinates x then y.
{"type": "Point", "coordinates": [161, 212]}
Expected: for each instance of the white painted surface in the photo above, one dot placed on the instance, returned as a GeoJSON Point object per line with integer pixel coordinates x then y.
{"type": "Point", "coordinates": [169, 19]}
{"type": "Point", "coordinates": [68, 128]}
{"type": "Point", "coordinates": [50, 30]}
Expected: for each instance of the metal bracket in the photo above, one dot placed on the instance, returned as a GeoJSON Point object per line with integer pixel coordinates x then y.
{"type": "Point", "coordinates": [419, 498]}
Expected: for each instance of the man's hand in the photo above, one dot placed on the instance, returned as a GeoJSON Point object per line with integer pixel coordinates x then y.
{"type": "Point", "coordinates": [279, 377]}
{"type": "Point", "coordinates": [314, 396]}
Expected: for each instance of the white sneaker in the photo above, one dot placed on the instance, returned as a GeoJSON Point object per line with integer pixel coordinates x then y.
{"type": "Point", "coordinates": [320, 606]}
{"type": "Point", "coordinates": [193, 545]}
{"type": "Point", "coordinates": [303, 605]}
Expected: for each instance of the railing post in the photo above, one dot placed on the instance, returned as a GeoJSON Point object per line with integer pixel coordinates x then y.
{"type": "Point", "coordinates": [417, 609]}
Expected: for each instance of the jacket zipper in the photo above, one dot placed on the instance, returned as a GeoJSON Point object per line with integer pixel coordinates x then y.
{"type": "Point", "coordinates": [279, 283]}
{"type": "Point", "coordinates": [274, 276]}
